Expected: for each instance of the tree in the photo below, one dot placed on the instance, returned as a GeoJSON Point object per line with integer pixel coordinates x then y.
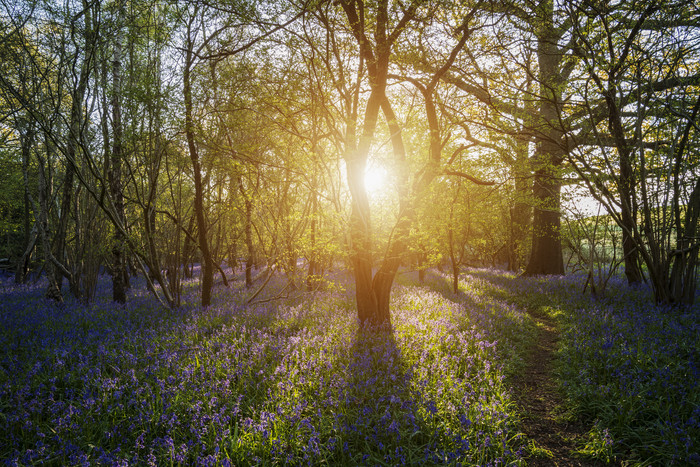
{"type": "Point", "coordinates": [641, 78]}
{"type": "Point", "coordinates": [114, 172]}
{"type": "Point", "coordinates": [58, 68]}
{"type": "Point", "coordinates": [389, 24]}
{"type": "Point", "coordinates": [194, 25]}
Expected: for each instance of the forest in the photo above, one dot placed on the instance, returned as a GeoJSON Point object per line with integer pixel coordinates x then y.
{"type": "Point", "coordinates": [349, 232]}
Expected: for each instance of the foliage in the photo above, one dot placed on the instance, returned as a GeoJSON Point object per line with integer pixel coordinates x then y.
{"type": "Point", "coordinates": [11, 205]}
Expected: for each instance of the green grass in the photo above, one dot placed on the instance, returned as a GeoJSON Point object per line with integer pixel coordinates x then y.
{"type": "Point", "coordinates": [628, 367]}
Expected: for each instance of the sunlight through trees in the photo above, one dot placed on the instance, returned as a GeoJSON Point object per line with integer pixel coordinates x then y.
{"type": "Point", "coordinates": [300, 137]}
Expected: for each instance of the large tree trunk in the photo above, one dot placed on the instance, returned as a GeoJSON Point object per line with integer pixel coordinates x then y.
{"type": "Point", "coordinates": [546, 256]}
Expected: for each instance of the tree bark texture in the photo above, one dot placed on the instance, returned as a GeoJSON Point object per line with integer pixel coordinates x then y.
{"type": "Point", "coordinates": [546, 256]}
{"type": "Point", "coordinates": [626, 188]}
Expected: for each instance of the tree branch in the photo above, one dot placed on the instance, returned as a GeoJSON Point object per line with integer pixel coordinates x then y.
{"type": "Point", "coordinates": [471, 178]}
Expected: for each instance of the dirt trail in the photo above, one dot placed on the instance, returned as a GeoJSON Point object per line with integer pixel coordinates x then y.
{"type": "Point", "coordinates": [539, 400]}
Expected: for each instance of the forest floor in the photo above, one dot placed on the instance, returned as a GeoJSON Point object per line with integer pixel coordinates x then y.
{"type": "Point", "coordinates": [553, 435]}
{"type": "Point", "coordinates": [467, 378]}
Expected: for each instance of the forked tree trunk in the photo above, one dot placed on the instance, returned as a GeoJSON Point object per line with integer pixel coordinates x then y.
{"type": "Point", "coordinates": [626, 187]}
{"type": "Point", "coordinates": [373, 294]}
{"type": "Point", "coordinates": [360, 231]}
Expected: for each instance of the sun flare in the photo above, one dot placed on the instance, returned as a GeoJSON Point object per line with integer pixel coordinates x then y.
{"type": "Point", "coordinates": [376, 179]}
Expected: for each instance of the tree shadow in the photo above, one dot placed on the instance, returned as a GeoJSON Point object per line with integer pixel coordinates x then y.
{"type": "Point", "coordinates": [380, 408]}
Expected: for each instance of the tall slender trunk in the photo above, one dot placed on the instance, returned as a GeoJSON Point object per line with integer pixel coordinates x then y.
{"type": "Point", "coordinates": [72, 150]}
{"type": "Point", "coordinates": [453, 257]}
{"type": "Point", "coordinates": [519, 221]}
{"type": "Point", "coordinates": [119, 274]}
{"type": "Point", "coordinates": [250, 257]}
{"type": "Point", "coordinates": [626, 187]}
{"type": "Point", "coordinates": [59, 249]}
{"type": "Point", "coordinates": [521, 210]}
{"type": "Point", "coordinates": [314, 270]}
{"type": "Point", "coordinates": [59, 237]}
{"type": "Point", "coordinates": [248, 231]}
{"type": "Point", "coordinates": [30, 236]}
{"type": "Point", "coordinates": [683, 276]}
{"type": "Point", "coordinates": [53, 290]}
{"type": "Point", "coordinates": [187, 250]}
{"type": "Point", "coordinates": [208, 266]}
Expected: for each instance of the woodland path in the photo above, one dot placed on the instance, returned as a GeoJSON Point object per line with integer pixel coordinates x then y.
{"type": "Point", "coordinates": [540, 404]}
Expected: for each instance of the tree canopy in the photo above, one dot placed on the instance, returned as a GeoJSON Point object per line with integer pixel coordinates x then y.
{"type": "Point", "coordinates": [296, 137]}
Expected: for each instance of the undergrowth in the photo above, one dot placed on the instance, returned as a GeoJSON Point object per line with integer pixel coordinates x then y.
{"type": "Point", "coordinates": [628, 366]}
{"type": "Point", "coordinates": [281, 382]}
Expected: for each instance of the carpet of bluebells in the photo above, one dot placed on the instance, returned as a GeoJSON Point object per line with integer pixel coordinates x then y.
{"type": "Point", "coordinates": [283, 382]}
{"type": "Point", "coordinates": [627, 365]}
